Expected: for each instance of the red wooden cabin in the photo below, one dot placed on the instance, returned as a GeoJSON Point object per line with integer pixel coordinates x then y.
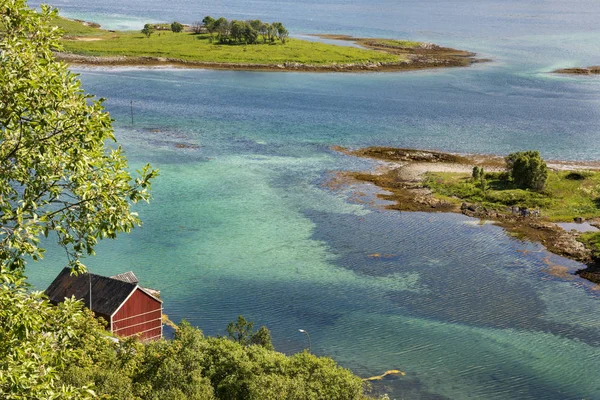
{"type": "Point", "coordinates": [128, 308]}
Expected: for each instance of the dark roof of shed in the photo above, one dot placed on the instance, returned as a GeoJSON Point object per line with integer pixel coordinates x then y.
{"type": "Point", "coordinates": [107, 293]}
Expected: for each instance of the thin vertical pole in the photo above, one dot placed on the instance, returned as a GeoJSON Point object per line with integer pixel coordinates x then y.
{"type": "Point", "coordinates": [131, 107]}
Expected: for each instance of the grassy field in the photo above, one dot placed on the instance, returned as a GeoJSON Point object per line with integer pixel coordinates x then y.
{"type": "Point", "coordinates": [567, 194]}
{"type": "Point", "coordinates": [403, 44]}
{"type": "Point", "coordinates": [84, 40]}
{"type": "Point", "coordinates": [591, 240]}
{"type": "Point", "coordinates": [76, 28]}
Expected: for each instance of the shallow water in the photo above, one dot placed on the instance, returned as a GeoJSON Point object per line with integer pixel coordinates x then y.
{"type": "Point", "coordinates": [246, 223]}
{"type": "Point", "coordinates": [579, 227]}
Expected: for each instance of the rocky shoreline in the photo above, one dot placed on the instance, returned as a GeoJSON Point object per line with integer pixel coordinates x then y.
{"type": "Point", "coordinates": [402, 174]}
{"type": "Point", "coordinates": [593, 70]}
{"type": "Point", "coordinates": [415, 63]}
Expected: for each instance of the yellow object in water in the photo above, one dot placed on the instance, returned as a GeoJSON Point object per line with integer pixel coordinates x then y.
{"type": "Point", "coordinates": [386, 373]}
{"type": "Point", "coordinates": [167, 321]}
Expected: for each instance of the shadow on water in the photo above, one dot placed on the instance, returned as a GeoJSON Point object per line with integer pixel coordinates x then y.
{"type": "Point", "coordinates": [470, 275]}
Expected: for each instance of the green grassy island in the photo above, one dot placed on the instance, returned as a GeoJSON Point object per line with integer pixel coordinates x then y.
{"type": "Point", "coordinates": [86, 43]}
{"type": "Point", "coordinates": [481, 187]}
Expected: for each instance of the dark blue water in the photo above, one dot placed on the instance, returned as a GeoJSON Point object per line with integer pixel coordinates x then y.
{"type": "Point", "coordinates": [243, 220]}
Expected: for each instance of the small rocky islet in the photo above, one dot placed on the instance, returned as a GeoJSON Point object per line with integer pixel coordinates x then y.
{"type": "Point", "coordinates": [404, 173]}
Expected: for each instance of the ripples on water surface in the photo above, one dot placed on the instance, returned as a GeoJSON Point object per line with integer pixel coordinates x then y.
{"type": "Point", "coordinates": [245, 223]}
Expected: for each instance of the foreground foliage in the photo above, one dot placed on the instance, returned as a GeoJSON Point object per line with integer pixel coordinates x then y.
{"type": "Point", "coordinates": [62, 352]}
{"type": "Point", "coordinates": [57, 175]}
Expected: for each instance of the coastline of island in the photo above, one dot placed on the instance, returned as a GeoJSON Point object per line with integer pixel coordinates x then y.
{"type": "Point", "coordinates": [85, 43]}
{"type": "Point", "coordinates": [426, 181]}
{"type": "Point", "coordinates": [592, 70]}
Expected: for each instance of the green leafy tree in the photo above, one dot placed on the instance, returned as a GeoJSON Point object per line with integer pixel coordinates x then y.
{"type": "Point", "coordinates": [173, 369]}
{"type": "Point", "coordinates": [208, 22]}
{"type": "Point", "coordinates": [250, 34]}
{"type": "Point", "coordinates": [323, 378]}
{"type": "Point", "coordinates": [262, 337]}
{"type": "Point", "coordinates": [241, 331]}
{"type": "Point", "coordinates": [240, 372]}
{"type": "Point", "coordinates": [148, 30]}
{"type": "Point", "coordinates": [38, 342]}
{"type": "Point", "coordinates": [263, 29]}
{"type": "Point", "coordinates": [281, 32]}
{"type": "Point", "coordinates": [482, 181]}
{"type": "Point", "coordinates": [255, 24]}
{"type": "Point", "coordinates": [57, 171]}
{"type": "Point", "coordinates": [176, 27]}
{"type": "Point", "coordinates": [223, 29]}
{"type": "Point", "coordinates": [271, 32]}
{"type": "Point", "coordinates": [475, 174]}
{"type": "Point", "coordinates": [210, 25]}
{"type": "Point", "coordinates": [237, 30]}
{"type": "Point", "coordinates": [527, 170]}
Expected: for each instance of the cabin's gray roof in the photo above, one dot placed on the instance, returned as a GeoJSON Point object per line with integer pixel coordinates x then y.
{"type": "Point", "coordinates": [107, 293]}
{"type": "Point", "coordinates": [126, 277]}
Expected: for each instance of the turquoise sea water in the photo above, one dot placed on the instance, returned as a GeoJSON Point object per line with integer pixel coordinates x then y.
{"type": "Point", "coordinates": [244, 221]}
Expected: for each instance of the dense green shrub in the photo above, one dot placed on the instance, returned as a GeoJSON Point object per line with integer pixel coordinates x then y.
{"type": "Point", "coordinates": [592, 241]}
{"type": "Point", "coordinates": [578, 175]}
{"type": "Point", "coordinates": [148, 30]}
{"type": "Point", "coordinates": [242, 331]}
{"type": "Point", "coordinates": [176, 27]}
{"type": "Point", "coordinates": [527, 170]}
{"type": "Point", "coordinates": [64, 352]}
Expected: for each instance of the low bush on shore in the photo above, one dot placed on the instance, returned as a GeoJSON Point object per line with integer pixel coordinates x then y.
{"type": "Point", "coordinates": [591, 240]}
{"type": "Point", "coordinates": [563, 198]}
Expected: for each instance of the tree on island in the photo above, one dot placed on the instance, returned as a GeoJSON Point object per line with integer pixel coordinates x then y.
{"type": "Point", "coordinates": [282, 33]}
{"type": "Point", "coordinates": [209, 24]}
{"type": "Point", "coordinates": [264, 30]}
{"type": "Point", "coordinates": [176, 27]}
{"type": "Point", "coordinates": [476, 173]}
{"type": "Point", "coordinates": [527, 170]}
{"type": "Point", "coordinates": [223, 28]}
{"type": "Point", "coordinates": [148, 30]}
{"type": "Point", "coordinates": [245, 32]}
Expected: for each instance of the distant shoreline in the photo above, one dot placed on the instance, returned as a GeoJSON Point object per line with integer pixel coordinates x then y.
{"type": "Point", "coordinates": [593, 70]}
{"type": "Point", "coordinates": [86, 44]}
{"type": "Point", "coordinates": [132, 61]}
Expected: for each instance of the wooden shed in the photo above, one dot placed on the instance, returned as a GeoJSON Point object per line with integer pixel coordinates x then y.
{"type": "Point", "coordinates": [128, 308]}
